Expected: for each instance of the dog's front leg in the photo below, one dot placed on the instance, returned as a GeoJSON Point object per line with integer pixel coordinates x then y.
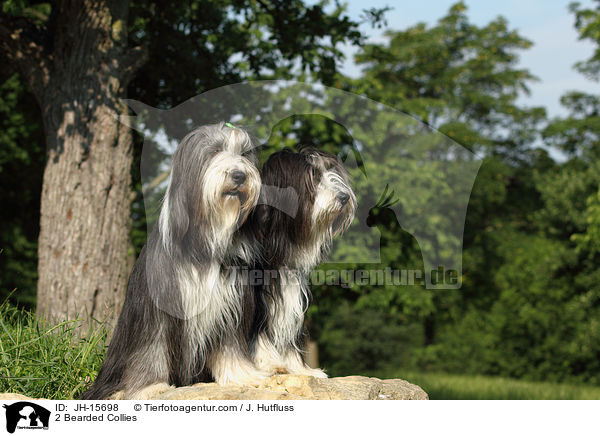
{"type": "Point", "coordinates": [229, 365]}
{"type": "Point", "coordinates": [147, 373]}
{"type": "Point", "coordinates": [266, 357]}
{"type": "Point", "coordinates": [290, 361]}
{"type": "Point", "coordinates": [294, 364]}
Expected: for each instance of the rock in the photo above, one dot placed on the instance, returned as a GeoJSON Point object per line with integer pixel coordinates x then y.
{"type": "Point", "coordinates": [11, 396]}
{"type": "Point", "coordinates": [290, 387]}
{"type": "Point", "coordinates": [300, 387]}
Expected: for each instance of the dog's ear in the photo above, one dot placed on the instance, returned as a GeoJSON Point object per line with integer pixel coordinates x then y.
{"type": "Point", "coordinates": [259, 221]}
{"type": "Point", "coordinates": [179, 220]}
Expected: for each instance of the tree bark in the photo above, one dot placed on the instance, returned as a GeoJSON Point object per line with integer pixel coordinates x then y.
{"type": "Point", "coordinates": [84, 220]}
{"type": "Point", "coordinates": [78, 70]}
{"type": "Point", "coordinates": [312, 354]}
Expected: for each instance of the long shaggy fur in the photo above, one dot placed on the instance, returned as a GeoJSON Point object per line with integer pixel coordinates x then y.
{"type": "Point", "coordinates": [292, 245]}
{"type": "Point", "coordinates": [183, 317]}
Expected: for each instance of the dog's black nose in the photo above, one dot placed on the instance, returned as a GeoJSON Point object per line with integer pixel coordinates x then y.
{"type": "Point", "coordinates": [238, 177]}
{"type": "Point", "coordinates": [343, 197]}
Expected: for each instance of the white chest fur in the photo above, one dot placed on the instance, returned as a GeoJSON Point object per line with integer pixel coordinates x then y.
{"type": "Point", "coordinates": [287, 313]}
{"type": "Point", "coordinates": [212, 302]}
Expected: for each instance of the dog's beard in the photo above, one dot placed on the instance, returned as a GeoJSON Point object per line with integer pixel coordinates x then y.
{"type": "Point", "coordinates": [330, 217]}
{"type": "Point", "coordinates": [226, 205]}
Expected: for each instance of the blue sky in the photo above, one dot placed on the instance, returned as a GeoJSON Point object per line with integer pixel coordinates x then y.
{"type": "Point", "coordinates": [547, 23]}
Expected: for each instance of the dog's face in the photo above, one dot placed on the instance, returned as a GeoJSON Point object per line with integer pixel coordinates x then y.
{"type": "Point", "coordinates": [326, 204]}
{"type": "Point", "coordinates": [230, 182]}
{"type": "Point", "coordinates": [334, 201]}
{"type": "Point", "coordinates": [214, 181]}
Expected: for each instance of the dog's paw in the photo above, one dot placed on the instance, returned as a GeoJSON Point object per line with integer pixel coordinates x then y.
{"type": "Point", "coordinates": [119, 395]}
{"type": "Point", "coordinates": [306, 370]}
{"type": "Point", "coordinates": [272, 368]}
{"type": "Point", "coordinates": [248, 376]}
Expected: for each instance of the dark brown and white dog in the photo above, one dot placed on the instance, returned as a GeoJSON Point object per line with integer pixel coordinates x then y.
{"type": "Point", "coordinates": [293, 245]}
{"type": "Point", "coordinates": [183, 317]}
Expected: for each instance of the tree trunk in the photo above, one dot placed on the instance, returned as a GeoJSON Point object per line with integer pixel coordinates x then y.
{"type": "Point", "coordinates": [312, 354]}
{"type": "Point", "coordinates": [78, 69]}
{"type": "Point", "coordinates": [84, 222]}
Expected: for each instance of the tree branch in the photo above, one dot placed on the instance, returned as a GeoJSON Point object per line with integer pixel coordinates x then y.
{"type": "Point", "coordinates": [131, 62]}
{"type": "Point", "coordinates": [154, 183]}
{"type": "Point", "coordinates": [23, 43]}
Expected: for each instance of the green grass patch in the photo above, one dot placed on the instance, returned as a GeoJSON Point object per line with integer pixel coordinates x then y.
{"type": "Point", "coordinates": [46, 361]}
{"type": "Point", "coordinates": [477, 387]}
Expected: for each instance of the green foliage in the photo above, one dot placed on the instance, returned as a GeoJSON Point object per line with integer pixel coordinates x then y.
{"type": "Point", "coordinates": [46, 361]}
{"type": "Point", "coordinates": [528, 307]}
{"type": "Point", "coordinates": [21, 164]}
{"type": "Point", "coordinates": [200, 45]}
{"type": "Point", "coordinates": [577, 134]}
{"type": "Point", "coordinates": [541, 326]}
{"type": "Point", "coordinates": [463, 80]}
{"type": "Point", "coordinates": [587, 22]}
{"type": "Point", "coordinates": [358, 340]}
{"type": "Point", "coordinates": [457, 77]}
{"type": "Point", "coordinates": [564, 193]}
{"type": "Point", "coordinates": [589, 240]}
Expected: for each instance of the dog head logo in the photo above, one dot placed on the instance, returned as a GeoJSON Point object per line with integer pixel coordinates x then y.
{"type": "Point", "coordinates": [388, 151]}
{"type": "Point", "coordinates": [26, 415]}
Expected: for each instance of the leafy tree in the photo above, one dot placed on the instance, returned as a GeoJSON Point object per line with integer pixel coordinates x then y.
{"type": "Point", "coordinates": [76, 61]}
{"type": "Point", "coordinates": [587, 23]}
{"type": "Point", "coordinates": [457, 77]}
{"type": "Point", "coordinates": [542, 321]}
{"type": "Point", "coordinates": [356, 340]}
{"type": "Point", "coordinates": [463, 80]}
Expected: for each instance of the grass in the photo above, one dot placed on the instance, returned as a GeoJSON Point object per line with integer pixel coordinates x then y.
{"type": "Point", "coordinates": [477, 387]}
{"type": "Point", "coordinates": [43, 361]}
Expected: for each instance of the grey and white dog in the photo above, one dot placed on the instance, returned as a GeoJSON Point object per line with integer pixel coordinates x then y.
{"type": "Point", "coordinates": [293, 244]}
{"type": "Point", "coordinates": [183, 320]}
